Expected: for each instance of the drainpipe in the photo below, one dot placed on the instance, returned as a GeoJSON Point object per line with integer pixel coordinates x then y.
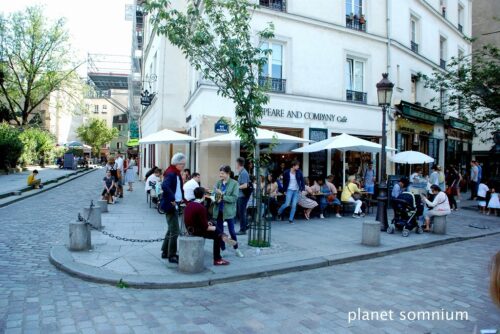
{"type": "Point", "coordinates": [388, 27]}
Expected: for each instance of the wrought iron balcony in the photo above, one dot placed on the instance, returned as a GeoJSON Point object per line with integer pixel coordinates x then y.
{"type": "Point", "coordinates": [460, 28]}
{"type": "Point", "coordinates": [354, 96]}
{"type": "Point", "coordinates": [414, 47]}
{"type": "Point", "coordinates": [279, 5]}
{"type": "Point", "coordinates": [355, 23]}
{"type": "Point", "coordinates": [442, 63]}
{"type": "Point", "coordinates": [273, 84]}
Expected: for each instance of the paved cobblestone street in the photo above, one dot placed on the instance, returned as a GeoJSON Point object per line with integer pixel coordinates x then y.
{"type": "Point", "coordinates": [37, 298]}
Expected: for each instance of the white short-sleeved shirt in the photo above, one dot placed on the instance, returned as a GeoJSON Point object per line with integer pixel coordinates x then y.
{"type": "Point", "coordinates": [482, 190]}
{"type": "Point", "coordinates": [189, 188]}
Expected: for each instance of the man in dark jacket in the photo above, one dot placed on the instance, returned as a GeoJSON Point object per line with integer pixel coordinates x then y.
{"type": "Point", "coordinates": [196, 221]}
{"type": "Point", "coordinates": [172, 196]}
{"type": "Point", "coordinates": [293, 185]}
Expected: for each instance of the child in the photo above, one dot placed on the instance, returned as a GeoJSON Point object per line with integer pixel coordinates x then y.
{"type": "Point", "coordinates": [494, 202]}
{"type": "Point", "coordinates": [482, 189]}
{"type": "Point", "coordinates": [33, 181]}
{"type": "Point", "coordinates": [109, 188]}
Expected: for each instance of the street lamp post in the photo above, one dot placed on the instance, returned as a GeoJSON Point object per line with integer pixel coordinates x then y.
{"type": "Point", "coordinates": [384, 93]}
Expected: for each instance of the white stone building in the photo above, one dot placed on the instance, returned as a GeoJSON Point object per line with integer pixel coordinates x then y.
{"type": "Point", "coordinates": [327, 57]}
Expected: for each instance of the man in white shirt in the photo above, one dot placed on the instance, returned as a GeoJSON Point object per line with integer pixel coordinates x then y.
{"type": "Point", "coordinates": [190, 186]}
{"type": "Point", "coordinates": [119, 181]}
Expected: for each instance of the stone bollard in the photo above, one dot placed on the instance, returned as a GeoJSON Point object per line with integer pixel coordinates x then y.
{"type": "Point", "coordinates": [79, 236]}
{"type": "Point", "coordinates": [439, 225]}
{"type": "Point", "coordinates": [103, 205]}
{"type": "Point", "coordinates": [191, 254]}
{"type": "Point", "coordinates": [95, 216]}
{"type": "Point", "coordinates": [371, 233]}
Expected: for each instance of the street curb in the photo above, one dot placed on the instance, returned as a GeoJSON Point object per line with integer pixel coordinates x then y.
{"type": "Point", "coordinates": [62, 259]}
{"type": "Point", "coordinates": [50, 184]}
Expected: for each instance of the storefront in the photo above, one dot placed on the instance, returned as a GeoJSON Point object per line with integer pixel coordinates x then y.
{"type": "Point", "coordinates": [459, 136]}
{"type": "Point", "coordinates": [419, 129]}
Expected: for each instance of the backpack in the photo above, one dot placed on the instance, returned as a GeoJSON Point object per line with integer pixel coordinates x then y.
{"type": "Point", "coordinates": [248, 190]}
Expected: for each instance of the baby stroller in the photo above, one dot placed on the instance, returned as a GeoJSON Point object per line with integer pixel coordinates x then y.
{"type": "Point", "coordinates": [407, 209]}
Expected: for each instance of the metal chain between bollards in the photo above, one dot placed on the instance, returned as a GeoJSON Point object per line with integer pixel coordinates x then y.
{"type": "Point", "coordinates": [111, 235]}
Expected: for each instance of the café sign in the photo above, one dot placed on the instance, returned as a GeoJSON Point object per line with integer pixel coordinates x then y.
{"type": "Point", "coordinates": [296, 114]}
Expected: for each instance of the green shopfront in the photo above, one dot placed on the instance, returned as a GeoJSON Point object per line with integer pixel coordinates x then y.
{"type": "Point", "coordinates": [459, 136]}
{"type": "Point", "coordinates": [418, 129]}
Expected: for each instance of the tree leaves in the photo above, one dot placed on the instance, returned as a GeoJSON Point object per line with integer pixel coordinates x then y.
{"type": "Point", "coordinates": [96, 134]}
{"type": "Point", "coordinates": [472, 86]}
{"type": "Point", "coordinates": [215, 36]}
{"type": "Point", "coordinates": [37, 60]}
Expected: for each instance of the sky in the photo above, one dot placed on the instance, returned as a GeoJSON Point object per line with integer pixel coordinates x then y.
{"type": "Point", "coordinates": [95, 26]}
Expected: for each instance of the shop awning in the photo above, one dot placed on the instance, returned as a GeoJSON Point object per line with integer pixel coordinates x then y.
{"type": "Point", "coordinates": [166, 136]}
{"type": "Point", "coordinates": [133, 142]}
{"type": "Point", "coordinates": [263, 136]}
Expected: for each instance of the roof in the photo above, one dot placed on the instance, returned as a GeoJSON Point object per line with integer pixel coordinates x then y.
{"type": "Point", "coordinates": [107, 81]}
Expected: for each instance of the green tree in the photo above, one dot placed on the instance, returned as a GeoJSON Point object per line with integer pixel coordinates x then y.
{"type": "Point", "coordinates": [36, 60]}
{"type": "Point", "coordinates": [216, 38]}
{"type": "Point", "coordinates": [472, 87]}
{"type": "Point", "coordinates": [11, 147]}
{"type": "Point", "coordinates": [37, 146]}
{"type": "Point", "coordinates": [96, 134]}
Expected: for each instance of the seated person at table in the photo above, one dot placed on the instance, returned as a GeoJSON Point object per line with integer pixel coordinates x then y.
{"type": "Point", "coordinates": [271, 194]}
{"type": "Point", "coordinates": [196, 221]}
{"type": "Point", "coordinates": [351, 193]}
{"type": "Point", "coordinates": [33, 180]}
{"type": "Point", "coordinates": [439, 206]}
{"type": "Point", "coordinates": [328, 196]}
{"type": "Point", "coordinates": [151, 182]}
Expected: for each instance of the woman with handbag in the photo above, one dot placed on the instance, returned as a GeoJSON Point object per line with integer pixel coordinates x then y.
{"type": "Point", "coordinates": [226, 194]}
{"type": "Point", "coordinates": [351, 193]}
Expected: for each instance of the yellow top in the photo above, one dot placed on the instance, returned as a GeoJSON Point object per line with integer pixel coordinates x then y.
{"type": "Point", "coordinates": [348, 190]}
{"type": "Point", "coordinates": [31, 179]}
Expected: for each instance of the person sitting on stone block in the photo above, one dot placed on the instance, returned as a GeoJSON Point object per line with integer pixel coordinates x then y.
{"type": "Point", "coordinates": [33, 181]}
{"type": "Point", "coordinates": [196, 221]}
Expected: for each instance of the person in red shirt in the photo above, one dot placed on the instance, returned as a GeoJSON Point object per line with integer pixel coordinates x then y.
{"type": "Point", "coordinates": [196, 221]}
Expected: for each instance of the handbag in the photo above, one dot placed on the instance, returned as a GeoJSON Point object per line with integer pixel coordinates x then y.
{"type": "Point", "coordinates": [356, 195]}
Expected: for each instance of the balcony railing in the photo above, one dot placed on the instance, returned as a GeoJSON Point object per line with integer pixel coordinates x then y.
{"type": "Point", "coordinates": [355, 23]}
{"type": "Point", "coordinates": [442, 63]}
{"type": "Point", "coordinates": [414, 47]}
{"type": "Point", "coordinates": [460, 28]}
{"type": "Point", "coordinates": [354, 96]}
{"type": "Point", "coordinates": [273, 84]}
{"type": "Point", "coordinates": [279, 5]}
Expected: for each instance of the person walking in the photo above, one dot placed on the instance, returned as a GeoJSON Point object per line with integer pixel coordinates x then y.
{"type": "Point", "coordinates": [243, 194]}
{"type": "Point", "coordinates": [173, 195]}
{"type": "Point", "coordinates": [293, 185]}
{"type": "Point", "coordinates": [452, 179]}
{"type": "Point", "coordinates": [369, 179]}
{"type": "Point", "coordinates": [226, 196]}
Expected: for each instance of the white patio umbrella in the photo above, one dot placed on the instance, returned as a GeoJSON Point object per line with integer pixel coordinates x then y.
{"type": "Point", "coordinates": [166, 136]}
{"type": "Point", "coordinates": [263, 136]}
{"type": "Point", "coordinates": [344, 143]}
{"type": "Point", "coordinates": [411, 157]}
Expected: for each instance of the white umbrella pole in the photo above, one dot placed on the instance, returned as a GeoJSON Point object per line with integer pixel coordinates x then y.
{"type": "Point", "coordinates": [343, 170]}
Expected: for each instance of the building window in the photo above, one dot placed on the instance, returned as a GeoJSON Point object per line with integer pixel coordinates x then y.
{"type": "Point", "coordinates": [118, 145]}
{"type": "Point", "coordinates": [96, 108]}
{"type": "Point", "coordinates": [279, 5]}
{"type": "Point", "coordinates": [442, 4]}
{"type": "Point", "coordinates": [414, 34]}
{"type": "Point", "coordinates": [271, 74]}
{"type": "Point", "coordinates": [354, 76]}
{"type": "Point", "coordinates": [461, 18]}
{"type": "Point", "coordinates": [442, 52]}
{"type": "Point", "coordinates": [354, 15]}
{"type": "Point", "coordinates": [414, 88]}
{"type": "Point", "coordinates": [104, 109]}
